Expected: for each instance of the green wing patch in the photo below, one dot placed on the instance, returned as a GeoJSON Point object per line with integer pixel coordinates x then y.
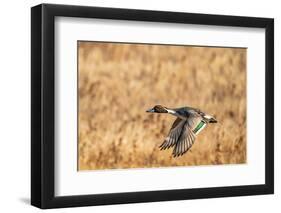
{"type": "Point", "coordinates": [199, 126]}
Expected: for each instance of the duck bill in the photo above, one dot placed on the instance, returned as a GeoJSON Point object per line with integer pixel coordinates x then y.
{"type": "Point", "coordinates": [150, 110]}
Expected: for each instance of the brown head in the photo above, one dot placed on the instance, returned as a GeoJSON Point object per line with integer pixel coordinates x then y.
{"type": "Point", "coordinates": [158, 109]}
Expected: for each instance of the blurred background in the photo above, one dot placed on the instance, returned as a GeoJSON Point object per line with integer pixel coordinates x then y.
{"type": "Point", "coordinates": [118, 82]}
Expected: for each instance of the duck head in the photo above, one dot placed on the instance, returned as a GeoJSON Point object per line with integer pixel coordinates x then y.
{"type": "Point", "coordinates": [158, 109]}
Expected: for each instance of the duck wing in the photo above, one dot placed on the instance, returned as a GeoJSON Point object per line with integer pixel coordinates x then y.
{"type": "Point", "coordinates": [185, 141]}
{"type": "Point", "coordinates": [194, 120]}
{"type": "Point", "coordinates": [174, 134]}
{"type": "Point", "coordinates": [192, 126]}
{"type": "Point", "coordinates": [183, 133]}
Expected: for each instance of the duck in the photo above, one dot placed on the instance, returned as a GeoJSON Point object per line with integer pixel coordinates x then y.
{"type": "Point", "coordinates": [188, 124]}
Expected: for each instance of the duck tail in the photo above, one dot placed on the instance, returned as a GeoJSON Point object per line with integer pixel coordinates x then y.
{"type": "Point", "coordinates": [210, 119]}
{"type": "Point", "coordinates": [213, 120]}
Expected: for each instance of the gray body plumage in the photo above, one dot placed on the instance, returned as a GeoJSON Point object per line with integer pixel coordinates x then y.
{"type": "Point", "coordinates": [189, 123]}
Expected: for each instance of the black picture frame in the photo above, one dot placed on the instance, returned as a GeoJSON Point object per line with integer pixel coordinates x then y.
{"type": "Point", "coordinates": [43, 102]}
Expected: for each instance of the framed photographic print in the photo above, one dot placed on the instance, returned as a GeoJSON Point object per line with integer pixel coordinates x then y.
{"type": "Point", "coordinates": [138, 106]}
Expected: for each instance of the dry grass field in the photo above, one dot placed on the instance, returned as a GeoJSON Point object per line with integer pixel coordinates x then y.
{"type": "Point", "coordinates": [119, 82]}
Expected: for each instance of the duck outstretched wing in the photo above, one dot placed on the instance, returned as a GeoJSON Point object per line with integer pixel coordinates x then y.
{"type": "Point", "coordinates": [188, 134]}
{"type": "Point", "coordinates": [182, 135]}
{"type": "Point", "coordinates": [174, 134]}
{"type": "Point", "coordinates": [185, 140]}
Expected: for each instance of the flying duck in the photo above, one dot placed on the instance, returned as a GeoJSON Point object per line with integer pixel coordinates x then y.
{"type": "Point", "coordinates": [188, 124]}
